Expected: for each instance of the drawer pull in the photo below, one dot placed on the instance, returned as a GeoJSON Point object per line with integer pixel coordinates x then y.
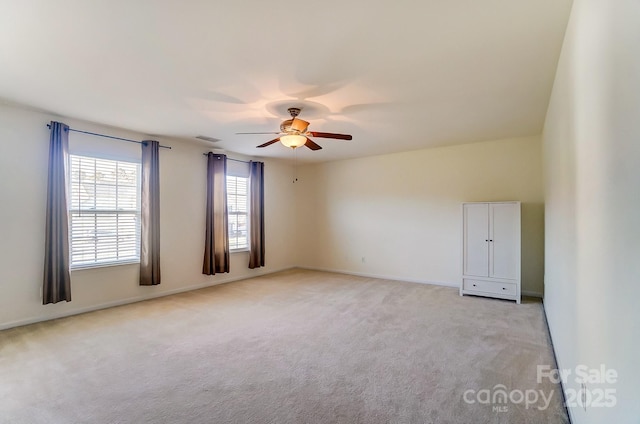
{"type": "Point", "coordinates": [504, 288]}
{"type": "Point", "coordinates": [474, 285]}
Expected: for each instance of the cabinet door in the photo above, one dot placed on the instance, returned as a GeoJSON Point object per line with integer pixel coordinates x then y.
{"type": "Point", "coordinates": [504, 248]}
{"type": "Point", "coordinates": [475, 239]}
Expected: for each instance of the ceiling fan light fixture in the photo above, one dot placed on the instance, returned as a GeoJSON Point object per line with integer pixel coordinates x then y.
{"type": "Point", "coordinates": [293, 140]}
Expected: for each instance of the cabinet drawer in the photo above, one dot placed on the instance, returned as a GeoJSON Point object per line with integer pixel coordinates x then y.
{"type": "Point", "coordinates": [490, 287]}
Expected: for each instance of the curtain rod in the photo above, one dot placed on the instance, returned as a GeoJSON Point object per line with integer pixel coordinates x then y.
{"type": "Point", "coordinates": [228, 158]}
{"type": "Point", "coordinates": [108, 136]}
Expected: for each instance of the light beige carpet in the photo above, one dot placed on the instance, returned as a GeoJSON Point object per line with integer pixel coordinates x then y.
{"type": "Point", "coordinates": [293, 347]}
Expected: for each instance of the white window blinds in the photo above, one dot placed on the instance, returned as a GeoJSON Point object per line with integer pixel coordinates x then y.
{"type": "Point", "coordinates": [237, 206]}
{"type": "Point", "coordinates": [104, 211]}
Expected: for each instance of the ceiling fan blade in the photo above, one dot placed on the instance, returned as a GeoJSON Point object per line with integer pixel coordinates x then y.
{"type": "Point", "coordinates": [269, 143]}
{"type": "Point", "coordinates": [331, 135]}
{"type": "Point", "coordinates": [312, 144]}
{"type": "Point", "coordinates": [260, 133]}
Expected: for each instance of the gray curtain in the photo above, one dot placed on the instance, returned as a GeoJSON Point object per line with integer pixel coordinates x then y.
{"type": "Point", "coordinates": [57, 281]}
{"type": "Point", "coordinates": [256, 214]}
{"type": "Point", "coordinates": [216, 247]}
{"type": "Point", "coordinates": [150, 215]}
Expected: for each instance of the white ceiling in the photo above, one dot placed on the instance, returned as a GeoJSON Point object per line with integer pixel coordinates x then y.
{"type": "Point", "coordinates": [396, 75]}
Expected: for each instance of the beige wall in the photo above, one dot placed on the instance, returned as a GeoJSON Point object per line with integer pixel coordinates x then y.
{"type": "Point", "coordinates": [402, 212]}
{"type": "Point", "coordinates": [592, 191]}
{"type": "Point", "coordinates": [24, 142]}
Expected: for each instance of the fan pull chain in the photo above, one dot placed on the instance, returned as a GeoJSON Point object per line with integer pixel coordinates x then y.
{"type": "Point", "coordinates": [295, 166]}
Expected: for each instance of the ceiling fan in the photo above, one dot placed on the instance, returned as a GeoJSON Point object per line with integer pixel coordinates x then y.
{"type": "Point", "coordinates": [293, 133]}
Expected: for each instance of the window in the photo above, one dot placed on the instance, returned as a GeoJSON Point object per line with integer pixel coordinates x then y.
{"type": "Point", "coordinates": [237, 205]}
{"type": "Point", "coordinates": [104, 210]}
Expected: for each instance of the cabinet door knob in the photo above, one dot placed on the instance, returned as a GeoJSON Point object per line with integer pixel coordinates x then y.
{"type": "Point", "coordinates": [487, 240]}
{"type": "Point", "coordinates": [504, 288]}
{"type": "Point", "coordinates": [474, 285]}
{"type": "Point", "coordinates": [490, 240]}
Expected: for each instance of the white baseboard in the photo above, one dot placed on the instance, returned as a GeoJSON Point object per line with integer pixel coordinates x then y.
{"type": "Point", "coordinates": [558, 365]}
{"type": "Point", "coordinates": [383, 277]}
{"type": "Point", "coordinates": [33, 320]}
{"type": "Point", "coordinates": [532, 294]}
{"type": "Point", "coordinates": [408, 280]}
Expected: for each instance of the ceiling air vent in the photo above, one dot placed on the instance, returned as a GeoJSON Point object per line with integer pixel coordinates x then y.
{"type": "Point", "coordinates": [205, 138]}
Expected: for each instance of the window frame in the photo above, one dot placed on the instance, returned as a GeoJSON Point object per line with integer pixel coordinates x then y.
{"type": "Point", "coordinates": [115, 212]}
{"type": "Point", "coordinates": [231, 213]}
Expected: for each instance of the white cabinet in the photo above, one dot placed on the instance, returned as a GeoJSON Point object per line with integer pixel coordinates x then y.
{"type": "Point", "coordinates": [491, 250]}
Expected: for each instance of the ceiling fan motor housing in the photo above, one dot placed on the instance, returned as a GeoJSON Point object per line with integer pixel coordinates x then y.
{"type": "Point", "coordinates": [294, 126]}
